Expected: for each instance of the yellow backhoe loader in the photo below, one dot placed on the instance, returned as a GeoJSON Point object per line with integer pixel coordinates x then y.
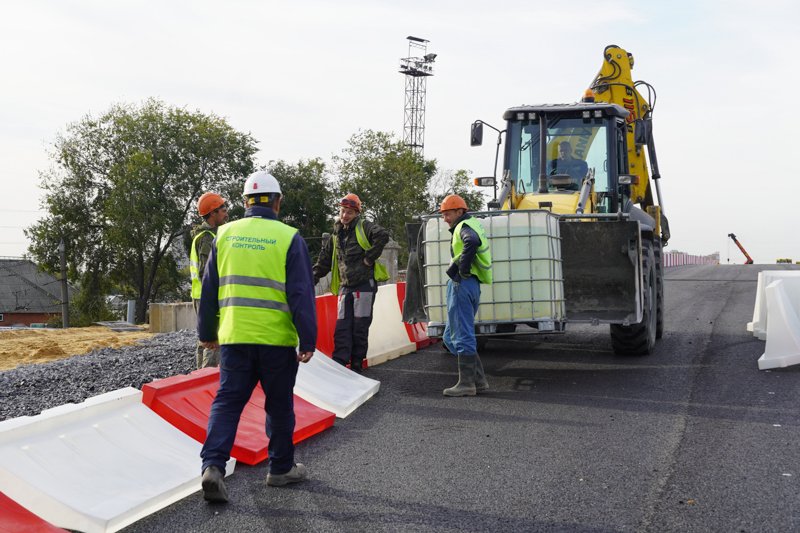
{"type": "Point", "coordinates": [578, 227]}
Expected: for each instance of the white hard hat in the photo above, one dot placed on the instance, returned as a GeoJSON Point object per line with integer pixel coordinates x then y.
{"type": "Point", "coordinates": [261, 182]}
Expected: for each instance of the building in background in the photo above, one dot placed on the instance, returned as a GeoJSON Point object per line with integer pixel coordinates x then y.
{"type": "Point", "coordinates": [28, 295]}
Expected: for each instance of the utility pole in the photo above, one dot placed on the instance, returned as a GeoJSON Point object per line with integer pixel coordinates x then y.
{"type": "Point", "coordinates": [64, 291]}
{"type": "Point", "coordinates": [417, 67]}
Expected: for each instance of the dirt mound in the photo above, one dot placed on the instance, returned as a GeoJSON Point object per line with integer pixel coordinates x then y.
{"type": "Point", "coordinates": [27, 346]}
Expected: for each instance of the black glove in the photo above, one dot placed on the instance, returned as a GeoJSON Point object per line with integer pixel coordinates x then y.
{"type": "Point", "coordinates": [452, 272]}
{"type": "Point", "coordinates": [464, 274]}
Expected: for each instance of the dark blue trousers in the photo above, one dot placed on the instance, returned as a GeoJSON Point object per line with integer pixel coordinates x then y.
{"type": "Point", "coordinates": [241, 367]}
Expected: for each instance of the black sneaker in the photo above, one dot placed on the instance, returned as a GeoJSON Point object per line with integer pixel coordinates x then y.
{"type": "Point", "coordinates": [296, 474]}
{"type": "Point", "coordinates": [214, 485]}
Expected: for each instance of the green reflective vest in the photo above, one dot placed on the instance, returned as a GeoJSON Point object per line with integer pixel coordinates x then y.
{"type": "Point", "coordinates": [251, 262]}
{"type": "Point", "coordinates": [482, 265]}
{"type": "Point", "coordinates": [194, 266]}
{"type": "Point", "coordinates": [380, 273]}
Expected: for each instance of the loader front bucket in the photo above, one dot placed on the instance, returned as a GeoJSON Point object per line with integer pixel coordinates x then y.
{"type": "Point", "coordinates": [602, 268]}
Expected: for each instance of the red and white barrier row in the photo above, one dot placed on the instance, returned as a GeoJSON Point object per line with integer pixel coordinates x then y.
{"type": "Point", "coordinates": [389, 337]}
{"type": "Point", "coordinates": [101, 465]}
{"type": "Point", "coordinates": [672, 259]}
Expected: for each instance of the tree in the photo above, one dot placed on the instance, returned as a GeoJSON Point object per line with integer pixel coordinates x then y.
{"type": "Point", "coordinates": [455, 182]}
{"type": "Point", "coordinates": [123, 189]}
{"type": "Point", "coordinates": [308, 202]}
{"type": "Point", "coordinates": [389, 177]}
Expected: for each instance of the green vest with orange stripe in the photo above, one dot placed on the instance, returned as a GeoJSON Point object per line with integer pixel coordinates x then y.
{"type": "Point", "coordinates": [251, 262]}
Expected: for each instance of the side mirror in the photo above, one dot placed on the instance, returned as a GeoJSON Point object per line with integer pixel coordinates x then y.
{"type": "Point", "coordinates": [476, 134]}
{"type": "Point", "coordinates": [484, 182]}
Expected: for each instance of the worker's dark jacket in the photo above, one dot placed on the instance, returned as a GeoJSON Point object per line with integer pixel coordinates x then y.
{"type": "Point", "coordinates": [471, 244]}
{"type": "Point", "coordinates": [352, 270]}
{"type": "Point", "coordinates": [299, 290]}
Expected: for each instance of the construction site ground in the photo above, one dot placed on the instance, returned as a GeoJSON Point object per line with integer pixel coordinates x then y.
{"type": "Point", "coordinates": [30, 346]}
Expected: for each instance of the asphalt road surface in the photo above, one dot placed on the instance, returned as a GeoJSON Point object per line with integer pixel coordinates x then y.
{"type": "Point", "coordinates": [569, 438]}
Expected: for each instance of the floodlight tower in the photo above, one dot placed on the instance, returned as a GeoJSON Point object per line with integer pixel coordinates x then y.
{"type": "Point", "coordinates": [416, 67]}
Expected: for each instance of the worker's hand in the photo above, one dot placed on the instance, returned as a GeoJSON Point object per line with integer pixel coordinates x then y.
{"type": "Point", "coordinates": [304, 357]}
{"type": "Point", "coordinates": [210, 345]}
{"type": "Point", "coordinates": [464, 274]}
{"type": "Point", "coordinates": [452, 272]}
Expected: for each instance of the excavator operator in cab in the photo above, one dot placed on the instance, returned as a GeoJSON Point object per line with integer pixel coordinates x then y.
{"type": "Point", "coordinates": [566, 164]}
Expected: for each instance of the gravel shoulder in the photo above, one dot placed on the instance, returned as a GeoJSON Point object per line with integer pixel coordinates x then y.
{"type": "Point", "coordinates": [30, 388]}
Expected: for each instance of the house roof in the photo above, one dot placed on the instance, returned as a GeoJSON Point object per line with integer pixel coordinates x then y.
{"type": "Point", "coordinates": [26, 289]}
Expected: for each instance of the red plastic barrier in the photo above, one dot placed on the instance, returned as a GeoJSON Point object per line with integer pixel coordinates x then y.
{"type": "Point", "coordinates": [326, 322]}
{"type": "Point", "coordinates": [185, 402]}
{"type": "Point", "coordinates": [416, 332]}
{"type": "Point", "coordinates": [16, 519]}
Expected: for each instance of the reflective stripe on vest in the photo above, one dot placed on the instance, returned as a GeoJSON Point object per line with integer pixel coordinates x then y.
{"type": "Point", "coordinates": [251, 262]}
{"type": "Point", "coordinates": [194, 266]}
{"type": "Point", "coordinates": [482, 264]}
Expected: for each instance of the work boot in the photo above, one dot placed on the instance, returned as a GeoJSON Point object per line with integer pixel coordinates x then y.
{"type": "Point", "coordinates": [214, 489]}
{"type": "Point", "coordinates": [481, 384]}
{"type": "Point", "coordinates": [296, 474]}
{"type": "Point", "coordinates": [357, 365]}
{"type": "Point", "coordinates": [466, 377]}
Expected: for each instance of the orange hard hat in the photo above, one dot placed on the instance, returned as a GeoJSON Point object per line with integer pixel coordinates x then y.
{"type": "Point", "coordinates": [208, 202]}
{"type": "Point", "coordinates": [453, 201]}
{"type": "Point", "coordinates": [352, 201]}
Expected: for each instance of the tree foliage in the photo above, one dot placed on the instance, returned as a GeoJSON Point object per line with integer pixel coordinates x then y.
{"type": "Point", "coordinates": [455, 182]}
{"type": "Point", "coordinates": [308, 202]}
{"type": "Point", "coordinates": [123, 189]}
{"type": "Point", "coordinates": [390, 178]}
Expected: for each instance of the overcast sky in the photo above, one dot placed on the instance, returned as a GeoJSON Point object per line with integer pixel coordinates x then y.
{"type": "Point", "coordinates": [303, 76]}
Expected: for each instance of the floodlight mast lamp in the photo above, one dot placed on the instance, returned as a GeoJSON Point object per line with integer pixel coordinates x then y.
{"type": "Point", "coordinates": [416, 67]}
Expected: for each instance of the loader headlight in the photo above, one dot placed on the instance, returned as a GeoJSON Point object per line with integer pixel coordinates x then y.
{"type": "Point", "coordinates": [628, 179]}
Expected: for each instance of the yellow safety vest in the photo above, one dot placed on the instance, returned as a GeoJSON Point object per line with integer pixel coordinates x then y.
{"type": "Point", "coordinates": [194, 266]}
{"type": "Point", "coordinates": [481, 267]}
{"type": "Point", "coordinates": [251, 262]}
{"type": "Point", "coordinates": [380, 272]}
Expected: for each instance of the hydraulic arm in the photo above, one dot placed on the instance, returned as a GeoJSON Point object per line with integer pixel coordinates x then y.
{"type": "Point", "coordinates": [736, 241]}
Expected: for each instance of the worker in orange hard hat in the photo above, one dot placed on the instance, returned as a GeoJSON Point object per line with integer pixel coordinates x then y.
{"type": "Point", "coordinates": [211, 206]}
{"type": "Point", "coordinates": [471, 265]}
{"type": "Point", "coordinates": [351, 256]}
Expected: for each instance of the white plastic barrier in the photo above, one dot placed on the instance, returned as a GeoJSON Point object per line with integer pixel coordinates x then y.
{"type": "Point", "coordinates": [328, 385]}
{"type": "Point", "coordinates": [97, 466]}
{"type": "Point", "coordinates": [783, 329]}
{"type": "Point", "coordinates": [388, 337]}
{"type": "Point", "coordinates": [759, 324]}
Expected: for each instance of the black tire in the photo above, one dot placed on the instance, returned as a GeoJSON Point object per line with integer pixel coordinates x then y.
{"type": "Point", "coordinates": [658, 253]}
{"type": "Point", "coordinates": [640, 339]}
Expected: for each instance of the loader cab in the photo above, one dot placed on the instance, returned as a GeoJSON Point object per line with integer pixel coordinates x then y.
{"type": "Point", "coordinates": [578, 138]}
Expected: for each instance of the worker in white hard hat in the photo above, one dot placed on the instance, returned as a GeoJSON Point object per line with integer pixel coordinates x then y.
{"type": "Point", "coordinates": [257, 304]}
